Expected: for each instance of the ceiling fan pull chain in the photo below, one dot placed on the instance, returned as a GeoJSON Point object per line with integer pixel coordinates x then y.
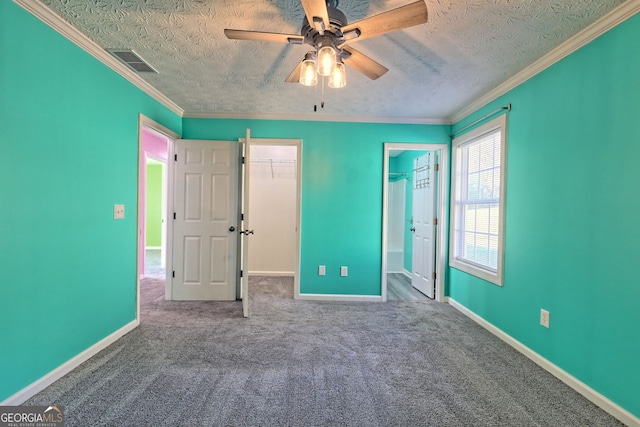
{"type": "Point", "coordinates": [322, 100]}
{"type": "Point", "coordinates": [315, 98]}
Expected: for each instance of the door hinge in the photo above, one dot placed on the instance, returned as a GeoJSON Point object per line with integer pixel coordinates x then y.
{"type": "Point", "coordinates": [435, 221]}
{"type": "Point", "coordinates": [175, 157]}
{"type": "Point", "coordinates": [241, 273]}
{"type": "Point", "coordinates": [243, 159]}
{"type": "Point", "coordinates": [433, 275]}
{"type": "Point", "coordinates": [241, 217]}
{"type": "Point", "coordinates": [174, 215]}
{"type": "Point", "coordinates": [173, 274]}
{"type": "Point", "coordinates": [437, 167]}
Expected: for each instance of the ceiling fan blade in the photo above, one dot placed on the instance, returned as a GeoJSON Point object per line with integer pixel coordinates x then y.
{"type": "Point", "coordinates": [392, 20]}
{"type": "Point", "coordinates": [263, 37]}
{"type": "Point", "coordinates": [363, 63]}
{"type": "Point", "coordinates": [294, 77]}
{"type": "Point", "coordinates": [316, 9]}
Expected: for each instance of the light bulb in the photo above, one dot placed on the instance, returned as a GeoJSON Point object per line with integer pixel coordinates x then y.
{"type": "Point", "coordinates": [308, 75]}
{"type": "Point", "coordinates": [326, 60]}
{"type": "Point", "coordinates": [338, 78]}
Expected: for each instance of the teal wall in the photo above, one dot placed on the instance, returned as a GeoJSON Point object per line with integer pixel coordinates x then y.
{"type": "Point", "coordinates": [153, 210]}
{"type": "Point", "coordinates": [572, 210]}
{"type": "Point", "coordinates": [341, 192]}
{"type": "Point", "coordinates": [68, 269]}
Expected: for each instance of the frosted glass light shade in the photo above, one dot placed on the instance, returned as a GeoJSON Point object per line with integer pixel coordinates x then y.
{"type": "Point", "coordinates": [338, 78]}
{"type": "Point", "coordinates": [308, 76]}
{"type": "Point", "coordinates": [326, 60]}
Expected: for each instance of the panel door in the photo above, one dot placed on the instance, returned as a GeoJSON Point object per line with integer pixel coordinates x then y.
{"type": "Point", "coordinates": [423, 259]}
{"type": "Point", "coordinates": [206, 211]}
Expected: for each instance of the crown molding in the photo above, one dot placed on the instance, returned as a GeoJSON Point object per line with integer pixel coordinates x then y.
{"type": "Point", "coordinates": [316, 117]}
{"type": "Point", "coordinates": [46, 15]}
{"type": "Point", "coordinates": [595, 30]}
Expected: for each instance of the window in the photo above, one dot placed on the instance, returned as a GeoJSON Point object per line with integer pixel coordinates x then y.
{"type": "Point", "coordinates": [477, 201]}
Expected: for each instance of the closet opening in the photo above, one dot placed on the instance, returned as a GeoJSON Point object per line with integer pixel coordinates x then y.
{"type": "Point", "coordinates": [274, 200]}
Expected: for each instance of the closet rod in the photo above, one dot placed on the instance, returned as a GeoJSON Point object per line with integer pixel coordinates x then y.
{"type": "Point", "coordinates": [496, 111]}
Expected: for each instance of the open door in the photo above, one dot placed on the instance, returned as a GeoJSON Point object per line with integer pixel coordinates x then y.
{"type": "Point", "coordinates": [423, 277]}
{"type": "Point", "coordinates": [204, 220]}
{"type": "Point", "coordinates": [245, 232]}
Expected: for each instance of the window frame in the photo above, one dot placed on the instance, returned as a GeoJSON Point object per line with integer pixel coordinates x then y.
{"type": "Point", "coordinates": [457, 144]}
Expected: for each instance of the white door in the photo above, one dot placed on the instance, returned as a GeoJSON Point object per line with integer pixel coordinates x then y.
{"type": "Point", "coordinates": [246, 231]}
{"type": "Point", "coordinates": [206, 211]}
{"type": "Point", "coordinates": [423, 224]}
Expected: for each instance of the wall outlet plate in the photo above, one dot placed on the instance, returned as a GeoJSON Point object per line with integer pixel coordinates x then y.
{"type": "Point", "coordinates": [344, 271]}
{"type": "Point", "coordinates": [544, 318]}
{"type": "Point", "coordinates": [322, 270]}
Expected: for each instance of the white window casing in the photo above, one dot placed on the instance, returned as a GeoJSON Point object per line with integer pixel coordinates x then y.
{"type": "Point", "coordinates": [478, 201]}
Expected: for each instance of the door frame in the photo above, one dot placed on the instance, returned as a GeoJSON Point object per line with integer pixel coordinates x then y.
{"type": "Point", "coordinates": [298, 144]}
{"type": "Point", "coordinates": [146, 122]}
{"type": "Point", "coordinates": [441, 211]}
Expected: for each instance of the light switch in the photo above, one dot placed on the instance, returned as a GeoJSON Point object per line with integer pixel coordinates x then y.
{"type": "Point", "coordinates": [322, 270]}
{"type": "Point", "coordinates": [344, 271]}
{"type": "Point", "coordinates": [118, 211]}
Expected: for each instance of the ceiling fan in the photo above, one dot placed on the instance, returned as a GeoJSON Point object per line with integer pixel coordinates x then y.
{"type": "Point", "coordinates": [325, 28]}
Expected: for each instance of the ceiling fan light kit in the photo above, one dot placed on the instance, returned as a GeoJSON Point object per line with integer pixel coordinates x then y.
{"type": "Point", "coordinates": [326, 29]}
{"type": "Point", "coordinates": [308, 76]}
{"type": "Point", "coordinates": [338, 78]}
{"type": "Point", "coordinates": [326, 60]}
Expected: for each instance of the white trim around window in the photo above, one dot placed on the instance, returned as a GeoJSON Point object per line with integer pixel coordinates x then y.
{"type": "Point", "coordinates": [478, 185]}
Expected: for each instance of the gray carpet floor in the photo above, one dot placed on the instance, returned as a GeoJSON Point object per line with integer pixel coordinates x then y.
{"type": "Point", "coordinates": [307, 363]}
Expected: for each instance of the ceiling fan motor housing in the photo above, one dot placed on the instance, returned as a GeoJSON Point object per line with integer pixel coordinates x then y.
{"type": "Point", "coordinates": [337, 20]}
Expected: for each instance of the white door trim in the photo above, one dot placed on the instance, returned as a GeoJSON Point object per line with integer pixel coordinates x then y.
{"type": "Point", "coordinates": [298, 144]}
{"type": "Point", "coordinates": [145, 122]}
{"type": "Point", "coordinates": [441, 233]}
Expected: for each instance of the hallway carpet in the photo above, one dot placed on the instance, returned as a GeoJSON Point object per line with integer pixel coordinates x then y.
{"type": "Point", "coordinates": [307, 363]}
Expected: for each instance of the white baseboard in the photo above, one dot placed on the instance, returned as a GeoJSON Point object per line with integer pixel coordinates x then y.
{"type": "Point", "coordinates": [407, 273]}
{"type": "Point", "coordinates": [152, 248]}
{"type": "Point", "coordinates": [272, 273]}
{"type": "Point", "coordinates": [339, 297]}
{"type": "Point", "coordinates": [62, 370]}
{"type": "Point", "coordinates": [603, 402]}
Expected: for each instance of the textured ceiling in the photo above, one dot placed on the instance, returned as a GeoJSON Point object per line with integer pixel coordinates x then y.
{"type": "Point", "coordinates": [466, 49]}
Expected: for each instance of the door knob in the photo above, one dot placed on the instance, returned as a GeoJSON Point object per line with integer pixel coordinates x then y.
{"type": "Point", "coordinates": [246, 232]}
{"type": "Point", "coordinates": [232, 228]}
{"type": "Point", "coordinates": [413, 229]}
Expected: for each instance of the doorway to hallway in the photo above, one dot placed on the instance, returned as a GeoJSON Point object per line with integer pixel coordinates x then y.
{"type": "Point", "coordinates": [414, 221]}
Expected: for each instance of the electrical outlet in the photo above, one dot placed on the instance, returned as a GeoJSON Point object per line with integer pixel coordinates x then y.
{"type": "Point", "coordinates": [344, 271]}
{"type": "Point", "coordinates": [544, 318]}
{"type": "Point", "coordinates": [322, 270]}
{"type": "Point", "coordinates": [118, 211]}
